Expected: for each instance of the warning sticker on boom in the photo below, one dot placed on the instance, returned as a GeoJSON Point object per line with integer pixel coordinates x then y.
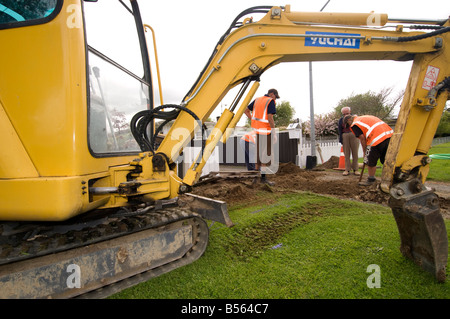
{"type": "Point", "coordinates": [331, 39]}
{"type": "Point", "coordinates": [430, 78]}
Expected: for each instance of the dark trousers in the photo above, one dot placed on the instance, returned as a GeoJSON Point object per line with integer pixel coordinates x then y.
{"type": "Point", "coordinates": [249, 154]}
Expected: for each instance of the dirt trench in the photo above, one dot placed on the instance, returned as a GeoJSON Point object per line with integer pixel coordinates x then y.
{"type": "Point", "coordinates": [290, 178]}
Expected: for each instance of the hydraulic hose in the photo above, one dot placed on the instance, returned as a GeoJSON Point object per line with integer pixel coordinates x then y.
{"type": "Point", "coordinates": [443, 85]}
{"type": "Point", "coordinates": [141, 120]}
{"type": "Point", "coordinates": [425, 27]}
{"type": "Point", "coordinates": [423, 36]}
{"type": "Point", "coordinates": [234, 24]}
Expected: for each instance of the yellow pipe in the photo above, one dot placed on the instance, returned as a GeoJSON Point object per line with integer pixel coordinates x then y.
{"type": "Point", "coordinates": [239, 113]}
{"type": "Point", "coordinates": [193, 174]}
{"type": "Point", "coordinates": [339, 18]}
{"type": "Point", "coordinates": [157, 63]}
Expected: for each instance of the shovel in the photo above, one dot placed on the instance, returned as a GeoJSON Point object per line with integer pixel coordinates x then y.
{"type": "Point", "coordinates": [362, 172]}
{"type": "Point", "coordinates": [364, 163]}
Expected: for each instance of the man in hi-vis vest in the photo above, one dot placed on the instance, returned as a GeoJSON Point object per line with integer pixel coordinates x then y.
{"type": "Point", "coordinates": [374, 135]}
{"type": "Point", "coordinates": [261, 112]}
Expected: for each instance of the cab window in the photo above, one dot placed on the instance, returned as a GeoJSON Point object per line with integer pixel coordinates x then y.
{"type": "Point", "coordinates": [117, 88]}
{"type": "Point", "coordinates": [15, 13]}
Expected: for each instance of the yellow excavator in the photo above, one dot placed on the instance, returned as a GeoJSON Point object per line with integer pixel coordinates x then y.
{"type": "Point", "coordinates": [89, 187]}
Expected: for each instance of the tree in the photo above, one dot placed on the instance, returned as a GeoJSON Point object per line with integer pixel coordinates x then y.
{"type": "Point", "coordinates": [444, 125]}
{"type": "Point", "coordinates": [284, 115]}
{"type": "Point", "coordinates": [378, 104]}
{"type": "Point", "coordinates": [324, 125]}
{"type": "Point", "coordinates": [119, 121]}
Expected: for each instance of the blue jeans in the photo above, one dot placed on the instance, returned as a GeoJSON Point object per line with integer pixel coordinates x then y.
{"type": "Point", "coordinates": [249, 149]}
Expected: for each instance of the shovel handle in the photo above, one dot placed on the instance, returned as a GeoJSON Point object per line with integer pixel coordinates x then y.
{"type": "Point", "coordinates": [362, 172]}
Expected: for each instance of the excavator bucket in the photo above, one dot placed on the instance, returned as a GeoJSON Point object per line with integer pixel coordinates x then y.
{"type": "Point", "coordinates": [421, 226]}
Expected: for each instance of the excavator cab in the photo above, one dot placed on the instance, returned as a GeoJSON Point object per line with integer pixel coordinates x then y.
{"type": "Point", "coordinates": [73, 75]}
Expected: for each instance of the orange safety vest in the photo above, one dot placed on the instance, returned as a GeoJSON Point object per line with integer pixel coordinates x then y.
{"type": "Point", "coordinates": [374, 129]}
{"type": "Point", "coordinates": [259, 115]}
{"type": "Point", "coordinates": [249, 137]}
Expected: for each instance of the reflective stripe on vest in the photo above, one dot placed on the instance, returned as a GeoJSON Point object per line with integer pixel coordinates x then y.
{"type": "Point", "coordinates": [249, 137]}
{"type": "Point", "coordinates": [374, 129]}
{"type": "Point", "coordinates": [259, 115]}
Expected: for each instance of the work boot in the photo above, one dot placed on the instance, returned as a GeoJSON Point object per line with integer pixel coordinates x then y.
{"type": "Point", "coordinates": [356, 173]}
{"type": "Point", "coordinates": [270, 183]}
{"type": "Point", "coordinates": [345, 173]}
{"type": "Point", "coordinates": [265, 181]}
{"type": "Point", "coordinates": [368, 182]}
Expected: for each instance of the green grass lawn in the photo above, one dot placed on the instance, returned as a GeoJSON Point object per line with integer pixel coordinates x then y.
{"type": "Point", "coordinates": [440, 168]}
{"type": "Point", "coordinates": [304, 246]}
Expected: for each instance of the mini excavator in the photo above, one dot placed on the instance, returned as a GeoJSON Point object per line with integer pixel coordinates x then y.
{"type": "Point", "coordinates": [89, 186]}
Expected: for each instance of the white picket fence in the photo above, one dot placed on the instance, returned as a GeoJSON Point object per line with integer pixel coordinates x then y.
{"type": "Point", "coordinates": [327, 148]}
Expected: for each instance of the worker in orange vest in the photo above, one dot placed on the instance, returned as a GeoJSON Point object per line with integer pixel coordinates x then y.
{"type": "Point", "coordinates": [248, 144]}
{"type": "Point", "coordinates": [261, 112]}
{"type": "Point", "coordinates": [374, 135]}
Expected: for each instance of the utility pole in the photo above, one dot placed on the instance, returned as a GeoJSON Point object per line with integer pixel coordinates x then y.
{"type": "Point", "coordinates": [311, 112]}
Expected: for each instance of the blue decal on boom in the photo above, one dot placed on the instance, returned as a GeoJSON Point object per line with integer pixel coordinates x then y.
{"type": "Point", "coordinates": [348, 43]}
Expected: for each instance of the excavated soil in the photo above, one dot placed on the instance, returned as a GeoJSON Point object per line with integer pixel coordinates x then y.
{"type": "Point", "coordinates": [290, 178]}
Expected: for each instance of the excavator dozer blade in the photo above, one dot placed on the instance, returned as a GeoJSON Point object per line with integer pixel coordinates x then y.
{"type": "Point", "coordinates": [208, 208]}
{"type": "Point", "coordinates": [421, 226]}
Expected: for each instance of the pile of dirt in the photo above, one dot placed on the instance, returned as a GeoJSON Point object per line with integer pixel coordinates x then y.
{"type": "Point", "coordinates": [291, 178]}
{"type": "Point", "coordinates": [333, 162]}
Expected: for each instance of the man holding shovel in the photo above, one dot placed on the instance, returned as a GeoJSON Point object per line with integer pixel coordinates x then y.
{"type": "Point", "coordinates": [374, 135]}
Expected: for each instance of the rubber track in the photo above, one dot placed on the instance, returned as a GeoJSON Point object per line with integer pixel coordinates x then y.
{"type": "Point", "coordinates": [42, 239]}
{"type": "Point", "coordinates": [112, 227]}
{"type": "Point", "coordinates": [197, 250]}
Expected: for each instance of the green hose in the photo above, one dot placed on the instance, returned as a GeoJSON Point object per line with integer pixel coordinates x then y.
{"type": "Point", "coordinates": [440, 156]}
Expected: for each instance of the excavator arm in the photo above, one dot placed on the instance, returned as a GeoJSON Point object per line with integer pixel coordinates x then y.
{"type": "Point", "coordinates": [281, 36]}
{"type": "Point", "coordinates": [285, 36]}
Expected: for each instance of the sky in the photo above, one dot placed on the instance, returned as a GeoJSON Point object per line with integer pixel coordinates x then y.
{"type": "Point", "coordinates": [187, 32]}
